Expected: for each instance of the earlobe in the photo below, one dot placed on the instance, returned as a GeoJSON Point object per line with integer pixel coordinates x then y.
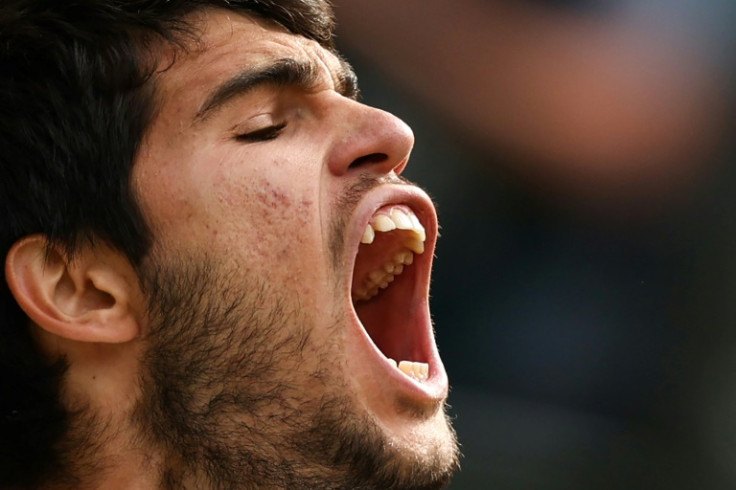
{"type": "Point", "coordinates": [87, 299]}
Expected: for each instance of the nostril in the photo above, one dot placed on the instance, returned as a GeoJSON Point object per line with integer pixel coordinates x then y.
{"type": "Point", "coordinates": [373, 158]}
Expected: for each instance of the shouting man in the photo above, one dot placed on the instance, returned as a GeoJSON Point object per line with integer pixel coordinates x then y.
{"type": "Point", "coordinates": [215, 276]}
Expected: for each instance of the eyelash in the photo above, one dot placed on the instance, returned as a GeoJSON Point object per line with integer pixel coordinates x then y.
{"type": "Point", "coordinates": [263, 134]}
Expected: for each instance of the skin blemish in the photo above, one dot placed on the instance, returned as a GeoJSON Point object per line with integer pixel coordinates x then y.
{"type": "Point", "coordinates": [274, 200]}
{"type": "Point", "coordinates": [279, 198]}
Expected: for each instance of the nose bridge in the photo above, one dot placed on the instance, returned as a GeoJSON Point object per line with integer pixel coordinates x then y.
{"type": "Point", "coordinates": [369, 139]}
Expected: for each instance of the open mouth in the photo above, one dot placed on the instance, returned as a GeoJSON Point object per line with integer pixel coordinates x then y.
{"type": "Point", "coordinates": [389, 289]}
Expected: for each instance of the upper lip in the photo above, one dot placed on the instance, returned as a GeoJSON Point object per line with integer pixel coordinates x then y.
{"type": "Point", "coordinates": [418, 323]}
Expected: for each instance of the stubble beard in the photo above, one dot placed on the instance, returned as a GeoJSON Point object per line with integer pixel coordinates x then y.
{"type": "Point", "coordinates": [235, 394]}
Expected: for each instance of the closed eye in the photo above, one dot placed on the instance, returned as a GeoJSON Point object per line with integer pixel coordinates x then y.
{"type": "Point", "coordinates": [263, 134]}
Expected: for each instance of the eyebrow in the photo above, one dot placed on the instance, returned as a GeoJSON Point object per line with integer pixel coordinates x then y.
{"type": "Point", "coordinates": [285, 72]}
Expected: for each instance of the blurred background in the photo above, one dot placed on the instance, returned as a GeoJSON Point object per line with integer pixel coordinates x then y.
{"type": "Point", "coordinates": [581, 154]}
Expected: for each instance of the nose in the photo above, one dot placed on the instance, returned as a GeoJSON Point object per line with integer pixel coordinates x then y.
{"type": "Point", "coordinates": [369, 140]}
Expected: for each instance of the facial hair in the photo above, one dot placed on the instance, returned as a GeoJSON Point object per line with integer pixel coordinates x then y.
{"type": "Point", "coordinates": [237, 394]}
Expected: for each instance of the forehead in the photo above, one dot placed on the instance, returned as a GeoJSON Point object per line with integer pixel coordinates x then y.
{"type": "Point", "coordinates": [229, 42]}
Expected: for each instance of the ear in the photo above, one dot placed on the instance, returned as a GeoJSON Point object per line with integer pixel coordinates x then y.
{"type": "Point", "coordinates": [92, 298]}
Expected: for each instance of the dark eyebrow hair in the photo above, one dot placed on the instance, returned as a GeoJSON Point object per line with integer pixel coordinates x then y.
{"type": "Point", "coordinates": [285, 72]}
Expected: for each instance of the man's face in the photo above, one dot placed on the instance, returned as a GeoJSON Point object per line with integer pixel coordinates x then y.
{"type": "Point", "coordinates": [272, 326]}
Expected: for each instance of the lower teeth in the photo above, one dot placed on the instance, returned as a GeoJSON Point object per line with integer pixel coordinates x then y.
{"type": "Point", "coordinates": [416, 370]}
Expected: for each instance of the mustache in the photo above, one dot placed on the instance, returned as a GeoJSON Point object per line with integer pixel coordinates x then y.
{"type": "Point", "coordinates": [348, 201]}
{"type": "Point", "coordinates": [367, 182]}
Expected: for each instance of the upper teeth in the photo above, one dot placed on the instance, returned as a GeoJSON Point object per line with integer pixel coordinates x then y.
{"type": "Point", "coordinates": [388, 219]}
{"type": "Point", "coordinates": [398, 218]}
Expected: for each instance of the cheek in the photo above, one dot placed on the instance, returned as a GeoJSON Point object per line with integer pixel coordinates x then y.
{"type": "Point", "coordinates": [262, 214]}
{"type": "Point", "coordinates": [275, 220]}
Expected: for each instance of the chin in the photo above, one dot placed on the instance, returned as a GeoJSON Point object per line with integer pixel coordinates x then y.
{"type": "Point", "coordinates": [431, 442]}
{"type": "Point", "coordinates": [409, 453]}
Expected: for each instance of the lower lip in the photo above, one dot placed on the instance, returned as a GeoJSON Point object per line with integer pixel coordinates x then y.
{"type": "Point", "coordinates": [430, 391]}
